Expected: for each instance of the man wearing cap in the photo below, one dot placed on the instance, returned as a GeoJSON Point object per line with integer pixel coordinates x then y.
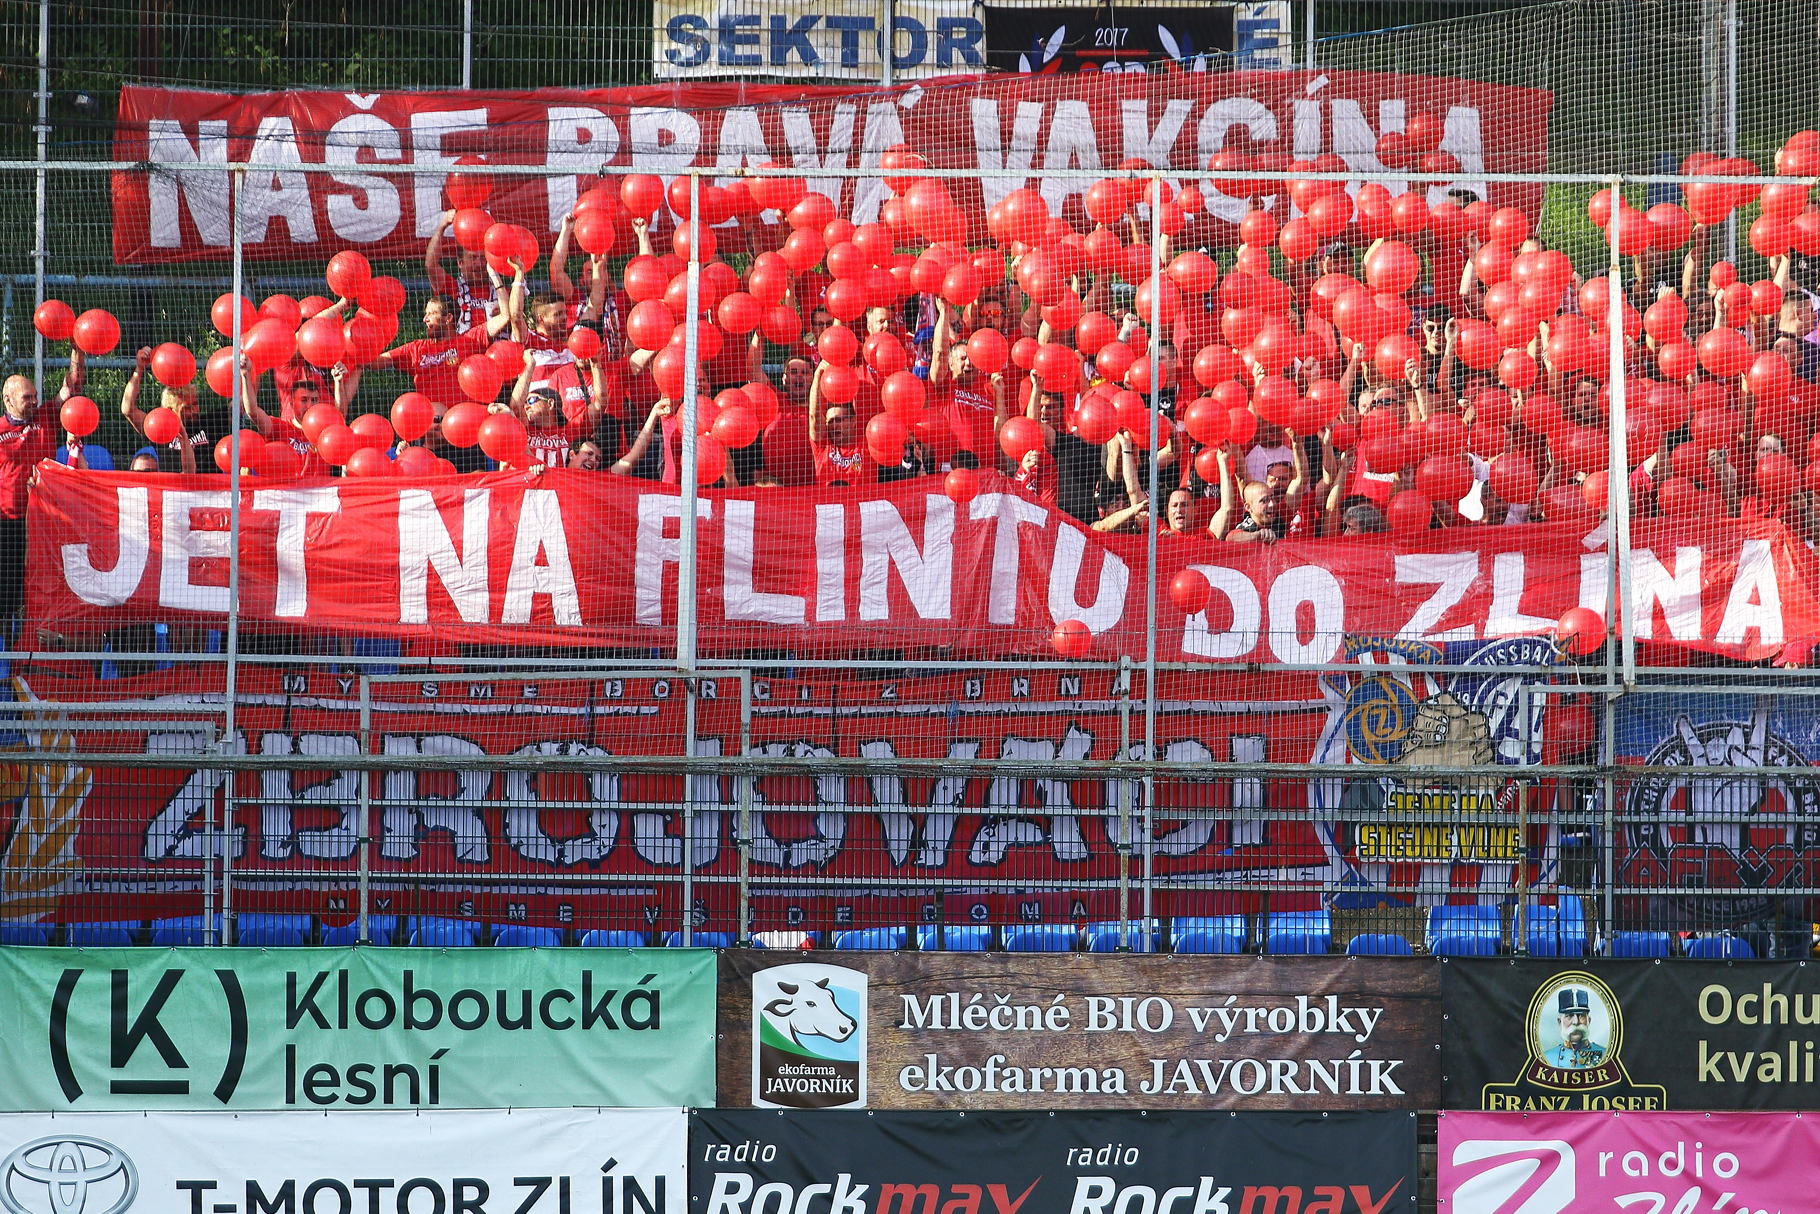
{"type": "Point", "coordinates": [1577, 1051]}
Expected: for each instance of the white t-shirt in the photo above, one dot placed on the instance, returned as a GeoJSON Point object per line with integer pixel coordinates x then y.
{"type": "Point", "coordinates": [1259, 459]}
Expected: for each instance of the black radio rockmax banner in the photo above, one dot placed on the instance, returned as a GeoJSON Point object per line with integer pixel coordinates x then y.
{"type": "Point", "coordinates": [855, 1162]}
{"type": "Point", "coordinates": [1629, 1035]}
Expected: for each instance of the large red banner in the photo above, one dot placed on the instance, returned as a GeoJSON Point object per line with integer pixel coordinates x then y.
{"type": "Point", "coordinates": [1030, 126]}
{"type": "Point", "coordinates": [572, 558]}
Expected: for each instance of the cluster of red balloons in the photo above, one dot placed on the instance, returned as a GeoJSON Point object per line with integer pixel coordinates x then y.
{"type": "Point", "coordinates": [94, 332]}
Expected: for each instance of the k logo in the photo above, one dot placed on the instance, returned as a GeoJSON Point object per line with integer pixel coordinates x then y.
{"type": "Point", "coordinates": [68, 1175]}
{"type": "Point", "coordinates": [127, 1031]}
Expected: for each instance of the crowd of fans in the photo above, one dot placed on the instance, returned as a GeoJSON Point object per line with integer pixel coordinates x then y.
{"type": "Point", "coordinates": [1482, 400]}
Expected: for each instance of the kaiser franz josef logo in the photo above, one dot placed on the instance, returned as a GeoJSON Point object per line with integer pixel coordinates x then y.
{"type": "Point", "coordinates": [1573, 1035]}
{"type": "Point", "coordinates": [809, 1037]}
{"type": "Point", "coordinates": [68, 1174]}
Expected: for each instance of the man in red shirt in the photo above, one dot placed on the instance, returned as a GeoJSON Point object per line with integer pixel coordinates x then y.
{"type": "Point", "coordinates": [840, 456]}
{"type": "Point", "coordinates": [432, 360]}
{"type": "Point", "coordinates": [973, 402]}
{"type": "Point", "coordinates": [25, 441]}
{"type": "Point", "coordinates": [476, 306]}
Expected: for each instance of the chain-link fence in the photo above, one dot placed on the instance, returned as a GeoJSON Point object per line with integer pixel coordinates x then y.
{"type": "Point", "coordinates": [929, 601]}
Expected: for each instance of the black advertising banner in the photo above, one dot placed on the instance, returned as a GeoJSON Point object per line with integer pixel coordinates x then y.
{"type": "Point", "coordinates": [911, 1030]}
{"type": "Point", "coordinates": [762, 1162]}
{"type": "Point", "coordinates": [1105, 37]}
{"type": "Point", "coordinates": [1629, 1035]}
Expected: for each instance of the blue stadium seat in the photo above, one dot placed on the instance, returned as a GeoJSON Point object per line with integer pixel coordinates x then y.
{"type": "Point", "coordinates": [1542, 931]}
{"type": "Point", "coordinates": [882, 938]}
{"type": "Point", "coordinates": [253, 929]}
{"type": "Point", "coordinates": [1105, 937]}
{"type": "Point", "coordinates": [519, 935]}
{"type": "Point", "coordinates": [379, 931]}
{"type": "Point", "coordinates": [1378, 944]}
{"type": "Point", "coordinates": [181, 931]}
{"type": "Point", "coordinates": [431, 932]}
{"type": "Point", "coordinates": [956, 938]}
{"type": "Point", "coordinates": [1464, 931]}
{"type": "Point", "coordinates": [1233, 932]}
{"type": "Point", "coordinates": [1720, 948]}
{"type": "Point", "coordinates": [700, 940]}
{"type": "Point", "coordinates": [611, 938]}
{"type": "Point", "coordinates": [1639, 944]}
{"type": "Point", "coordinates": [25, 933]}
{"type": "Point", "coordinates": [1039, 938]}
{"type": "Point", "coordinates": [100, 935]}
{"type": "Point", "coordinates": [1298, 932]}
{"type": "Point", "coordinates": [1573, 926]}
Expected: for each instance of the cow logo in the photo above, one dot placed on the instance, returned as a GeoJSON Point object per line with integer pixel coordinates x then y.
{"type": "Point", "coordinates": [1528, 1177]}
{"type": "Point", "coordinates": [1573, 1036]}
{"type": "Point", "coordinates": [68, 1174]}
{"type": "Point", "coordinates": [1739, 829]}
{"type": "Point", "coordinates": [809, 1037]}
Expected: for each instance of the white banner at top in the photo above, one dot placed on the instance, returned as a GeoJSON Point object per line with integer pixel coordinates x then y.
{"type": "Point", "coordinates": [815, 39]}
{"type": "Point", "coordinates": [527, 1161]}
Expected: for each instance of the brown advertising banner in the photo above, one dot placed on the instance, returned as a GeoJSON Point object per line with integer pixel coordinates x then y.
{"type": "Point", "coordinates": [1632, 1035]}
{"type": "Point", "coordinates": [1073, 1031]}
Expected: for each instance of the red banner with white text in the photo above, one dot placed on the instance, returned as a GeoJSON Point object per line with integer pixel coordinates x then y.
{"type": "Point", "coordinates": [569, 558]}
{"type": "Point", "coordinates": [1031, 126]}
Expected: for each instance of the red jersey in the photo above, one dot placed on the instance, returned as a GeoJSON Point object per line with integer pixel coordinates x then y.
{"type": "Point", "coordinates": [431, 364]}
{"type": "Point", "coordinates": [849, 465]}
{"type": "Point", "coordinates": [565, 380]}
{"type": "Point", "coordinates": [289, 374]}
{"type": "Point", "coordinates": [551, 447]}
{"type": "Point", "coordinates": [22, 446]}
{"type": "Point", "coordinates": [1039, 480]}
{"type": "Point", "coordinates": [971, 413]}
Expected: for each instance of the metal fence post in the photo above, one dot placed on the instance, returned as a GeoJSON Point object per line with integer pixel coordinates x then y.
{"type": "Point", "coordinates": [231, 689]}
{"type": "Point", "coordinates": [742, 784]}
{"type": "Point", "coordinates": [1610, 848]}
{"type": "Point", "coordinates": [685, 573]}
{"type": "Point", "coordinates": [1150, 581]}
{"type": "Point", "coordinates": [1617, 475]}
{"type": "Point", "coordinates": [1124, 808]}
{"type": "Point", "coordinates": [1310, 64]}
{"type": "Point", "coordinates": [1731, 116]}
{"type": "Point", "coordinates": [887, 40]}
{"type": "Point", "coordinates": [467, 44]}
{"type": "Point", "coordinates": [364, 831]}
{"type": "Point", "coordinates": [40, 229]}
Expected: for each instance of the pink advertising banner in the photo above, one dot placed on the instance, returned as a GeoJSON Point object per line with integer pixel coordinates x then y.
{"type": "Point", "coordinates": [1643, 1163]}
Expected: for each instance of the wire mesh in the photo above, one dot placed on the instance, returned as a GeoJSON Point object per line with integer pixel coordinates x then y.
{"type": "Point", "coordinates": [947, 671]}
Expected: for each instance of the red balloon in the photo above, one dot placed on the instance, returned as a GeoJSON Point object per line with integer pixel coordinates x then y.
{"type": "Point", "coordinates": [347, 273]}
{"type": "Point", "coordinates": [1410, 510]}
{"type": "Point", "coordinates": [781, 325]}
{"type": "Point", "coordinates": [362, 338]}
{"type": "Point", "coordinates": [1444, 478]}
{"type": "Point", "coordinates": [222, 315]}
{"type": "Point", "coordinates": [370, 461]}
{"type": "Point", "coordinates": [837, 345]}
{"type": "Point", "coordinates": [1513, 478]}
{"type": "Point", "coordinates": [885, 354]}
{"type": "Point", "coordinates": [97, 332]}
{"type": "Point", "coordinates": [584, 343]}
{"type": "Point", "coordinates": [961, 485]}
{"type": "Point", "coordinates": [471, 226]}
{"type": "Point", "coordinates": [1072, 639]}
{"type": "Point", "coordinates": [373, 429]}
{"type": "Point", "coordinates": [1019, 436]}
{"type": "Point", "coordinates": [594, 232]}
{"type": "Point", "coordinates": [337, 444]}
{"type": "Point", "coordinates": [1096, 421]}
{"type": "Point", "coordinates": [885, 439]}
{"type": "Point", "coordinates": [417, 461]}
{"type": "Point", "coordinates": [461, 424]}
{"type": "Point", "coordinates": [1724, 353]}
{"type": "Point", "coordinates": [739, 314]}
{"type": "Point", "coordinates": [479, 377]}
{"type": "Point", "coordinates": [412, 416]}
{"type": "Point", "coordinates": [1394, 268]}
{"type": "Point", "coordinates": [902, 395]}
{"type": "Point", "coordinates": [508, 356]}
{"type": "Point", "coordinates": [279, 461]}
{"type": "Point", "coordinates": [1768, 379]}
{"type": "Point", "coordinates": [80, 416]}
{"type": "Point", "coordinates": [162, 425]}
{"type": "Point", "coordinates": [502, 438]}
{"type": "Point", "coordinates": [319, 418]}
{"type": "Point", "coordinates": [173, 365]}
{"type": "Point", "coordinates": [54, 320]}
{"type": "Point", "coordinates": [1579, 631]}
{"type": "Point", "coordinates": [320, 342]}
{"type": "Point", "coordinates": [1190, 590]}
{"type": "Point", "coordinates": [252, 451]}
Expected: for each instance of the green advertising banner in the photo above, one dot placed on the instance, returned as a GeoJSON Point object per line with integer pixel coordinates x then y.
{"type": "Point", "coordinates": [370, 1028]}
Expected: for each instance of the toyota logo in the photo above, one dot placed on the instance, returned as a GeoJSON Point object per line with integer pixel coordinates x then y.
{"type": "Point", "coordinates": [68, 1175]}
